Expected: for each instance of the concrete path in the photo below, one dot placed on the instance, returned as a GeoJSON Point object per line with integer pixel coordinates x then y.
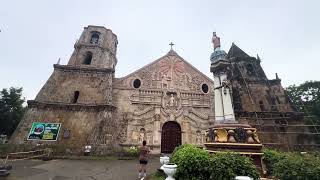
{"type": "Point", "coordinates": [79, 169]}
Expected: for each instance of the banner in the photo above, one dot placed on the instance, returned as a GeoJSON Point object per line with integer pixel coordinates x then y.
{"type": "Point", "coordinates": [44, 131]}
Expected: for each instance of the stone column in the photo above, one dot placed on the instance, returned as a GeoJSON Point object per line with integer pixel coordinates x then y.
{"type": "Point", "coordinates": [156, 132]}
{"type": "Point", "coordinates": [156, 126]}
{"type": "Point", "coordinates": [218, 106]}
{"type": "Point", "coordinates": [226, 101]}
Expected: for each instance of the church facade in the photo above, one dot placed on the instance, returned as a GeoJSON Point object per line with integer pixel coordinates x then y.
{"type": "Point", "coordinates": [167, 102]}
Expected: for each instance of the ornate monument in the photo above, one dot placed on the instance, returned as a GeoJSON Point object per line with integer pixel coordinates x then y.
{"type": "Point", "coordinates": [219, 65]}
{"type": "Point", "coordinates": [227, 133]}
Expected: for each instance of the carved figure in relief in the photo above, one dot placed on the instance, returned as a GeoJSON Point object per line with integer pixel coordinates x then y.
{"type": "Point", "coordinates": [198, 138]}
{"type": "Point", "coordinates": [172, 101]}
{"type": "Point", "coordinates": [164, 81]}
{"type": "Point", "coordinates": [142, 135]}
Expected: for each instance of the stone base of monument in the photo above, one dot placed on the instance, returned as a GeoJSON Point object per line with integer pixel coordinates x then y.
{"type": "Point", "coordinates": [238, 138]}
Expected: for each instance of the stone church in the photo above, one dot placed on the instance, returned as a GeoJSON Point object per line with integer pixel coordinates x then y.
{"type": "Point", "coordinates": [167, 102]}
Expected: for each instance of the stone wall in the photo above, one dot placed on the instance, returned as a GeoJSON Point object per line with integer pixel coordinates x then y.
{"type": "Point", "coordinates": [94, 85]}
{"type": "Point", "coordinates": [86, 124]}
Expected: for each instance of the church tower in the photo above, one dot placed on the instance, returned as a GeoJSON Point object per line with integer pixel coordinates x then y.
{"type": "Point", "coordinates": [78, 96]}
{"type": "Point", "coordinates": [97, 47]}
{"type": "Point", "coordinates": [88, 76]}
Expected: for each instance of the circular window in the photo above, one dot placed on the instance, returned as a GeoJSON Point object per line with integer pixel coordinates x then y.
{"type": "Point", "coordinates": [136, 83]}
{"type": "Point", "coordinates": [205, 88]}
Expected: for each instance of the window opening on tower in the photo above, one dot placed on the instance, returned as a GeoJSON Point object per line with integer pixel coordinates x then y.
{"type": "Point", "coordinates": [94, 38]}
{"type": "Point", "coordinates": [88, 58]}
{"type": "Point", "coordinates": [76, 96]}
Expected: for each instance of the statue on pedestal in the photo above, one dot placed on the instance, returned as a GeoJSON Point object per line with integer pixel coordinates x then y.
{"type": "Point", "coordinates": [216, 42]}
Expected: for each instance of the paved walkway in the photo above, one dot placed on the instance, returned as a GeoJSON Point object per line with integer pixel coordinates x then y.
{"type": "Point", "coordinates": [78, 169]}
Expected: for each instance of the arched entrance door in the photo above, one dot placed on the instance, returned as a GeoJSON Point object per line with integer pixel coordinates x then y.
{"type": "Point", "coordinates": [170, 136]}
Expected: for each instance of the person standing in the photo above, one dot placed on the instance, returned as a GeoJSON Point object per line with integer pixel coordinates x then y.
{"type": "Point", "coordinates": [143, 158]}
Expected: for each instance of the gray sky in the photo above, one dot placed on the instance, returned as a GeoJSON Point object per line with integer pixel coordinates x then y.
{"type": "Point", "coordinates": [34, 34]}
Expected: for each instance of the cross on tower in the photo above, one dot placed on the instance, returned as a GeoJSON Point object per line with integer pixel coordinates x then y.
{"type": "Point", "coordinates": [171, 44]}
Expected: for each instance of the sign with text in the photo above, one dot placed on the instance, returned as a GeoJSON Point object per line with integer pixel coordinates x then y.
{"type": "Point", "coordinates": [44, 131]}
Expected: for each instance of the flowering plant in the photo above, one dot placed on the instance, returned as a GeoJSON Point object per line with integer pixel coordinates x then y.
{"type": "Point", "coordinates": [133, 151]}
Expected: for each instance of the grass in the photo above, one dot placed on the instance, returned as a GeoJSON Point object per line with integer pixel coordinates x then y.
{"type": "Point", "coordinates": [157, 176]}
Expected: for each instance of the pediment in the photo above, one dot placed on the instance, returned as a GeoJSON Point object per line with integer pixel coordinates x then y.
{"type": "Point", "coordinates": [170, 72]}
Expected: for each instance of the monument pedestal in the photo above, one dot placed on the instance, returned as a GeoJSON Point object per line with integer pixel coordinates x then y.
{"type": "Point", "coordinates": [236, 138]}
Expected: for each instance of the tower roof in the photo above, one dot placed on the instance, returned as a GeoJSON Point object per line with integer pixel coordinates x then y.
{"type": "Point", "coordinates": [235, 51]}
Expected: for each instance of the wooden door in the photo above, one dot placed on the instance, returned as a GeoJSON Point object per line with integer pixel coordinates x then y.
{"type": "Point", "coordinates": [170, 136]}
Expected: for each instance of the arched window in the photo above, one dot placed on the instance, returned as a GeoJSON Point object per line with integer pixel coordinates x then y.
{"type": "Point", "coordinates": [88, 58]}
{"type": "Point", "coordinates": [76, 96]}
{"type": "Point", "coordinates": [94, 38]}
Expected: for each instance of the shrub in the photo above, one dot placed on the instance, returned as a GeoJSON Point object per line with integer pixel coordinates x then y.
{"type": "Point", "coordinates": [292, 165]}
{"type": "Point", "coordinates": [229, 165]}
{"type": "Point", "coordinates": [196, 164]}
{"type": "Point", "coordinates": [133, 151]}
{"type": "Point", "coordinates": [192, 163]}
{"type": "Point", "coordinates": [128, 152]}
{"type": "Point", "coordinates": [299, 167]}
{"type": "Point", "coordinates": [179, 147]}
{"type": "Point", "coordinates": [270, 158]}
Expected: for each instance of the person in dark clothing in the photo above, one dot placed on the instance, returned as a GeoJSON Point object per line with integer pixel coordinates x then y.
{"type": "Point", "coordinates": [143, 158]}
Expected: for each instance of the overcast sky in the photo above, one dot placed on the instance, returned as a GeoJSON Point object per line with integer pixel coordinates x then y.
{"type": "Point", "coordinates": [34, 34]}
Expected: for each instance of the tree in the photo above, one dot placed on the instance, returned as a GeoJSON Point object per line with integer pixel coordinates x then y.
{"type": "Point", "coordinates": [11, 109]}
{"type": "Point", "coordinates": [306, 97]}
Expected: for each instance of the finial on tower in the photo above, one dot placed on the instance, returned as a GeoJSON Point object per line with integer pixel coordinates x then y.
{"type": "Point", "coordinates": [58, 61]}
{"type": "Point", "coordinates": [216, 41]}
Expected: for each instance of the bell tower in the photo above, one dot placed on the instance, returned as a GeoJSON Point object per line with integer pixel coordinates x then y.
{"type": "Point", "coordinates": [89, 74]}
{"type": "Point", "coordinates": [96, 48]}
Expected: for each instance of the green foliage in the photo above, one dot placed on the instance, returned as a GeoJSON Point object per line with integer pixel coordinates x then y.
{"type": "Point", "coordinates": [133, 151]}
{"type": "Point", "coordinates": [229, 165]}
{"type": "Point", "coordinates": [299, 167]}
{"type": "Point", "coordinates": [306, 97]}
{"type": "Point", "coordinates": [179, 147]}
{"type": "Point", "coordinates": [196, 164]}
{"type": "Point", "coordinates": [11, 110]}
{"type": "Point", "coordinates": [158, 176]}
{"type": "Point", "coordinates": [192, 163]}
{"type": "Point", "coordinates": [270, 158]}
{"type": "Point", "coordinates": [290, 165]}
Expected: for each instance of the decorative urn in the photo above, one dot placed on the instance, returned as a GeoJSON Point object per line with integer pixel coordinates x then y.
{"type": "Point", "coordinates": [164, 160]}
{"type": "Point", "coordinates": [170, 169]}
